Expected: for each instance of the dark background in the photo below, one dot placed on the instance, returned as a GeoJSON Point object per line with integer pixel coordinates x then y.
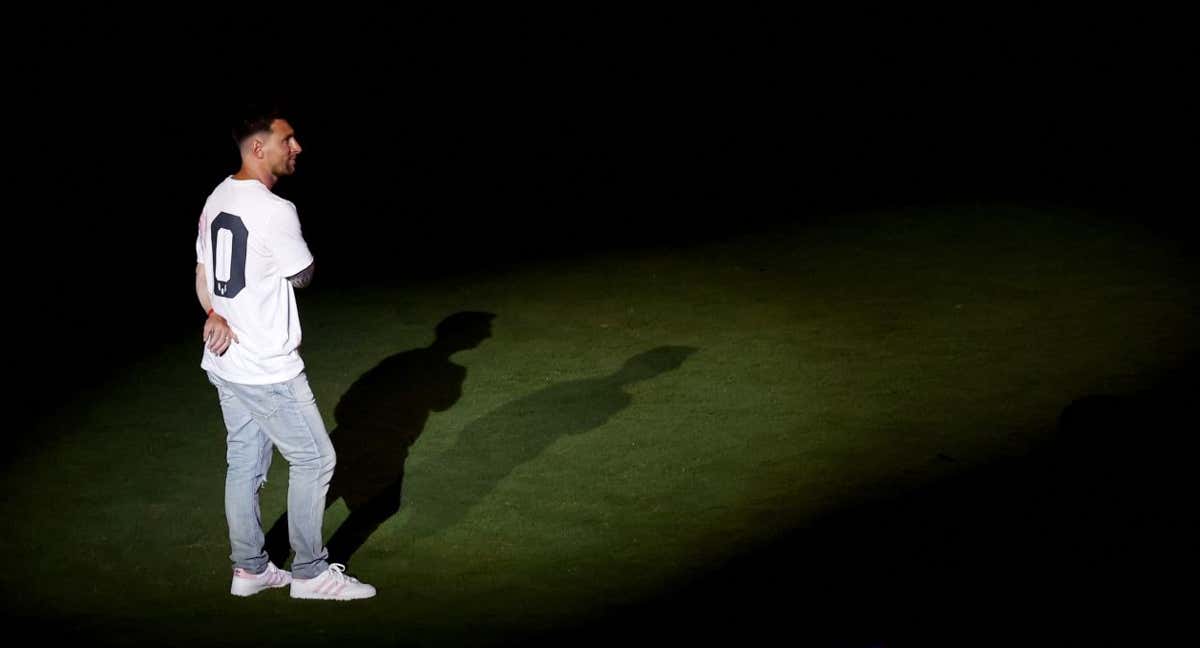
{"type": "Point", "coordinates": [435, 144]}
{"type": "Point", "coordinates": [441, 144]}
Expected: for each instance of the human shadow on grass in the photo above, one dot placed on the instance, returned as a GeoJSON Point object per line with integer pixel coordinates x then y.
{"type": "Point", "coordinates": [1080, 541]}
{"type": "Point", "coordinates": [490, 448]}
{"type": "Point", "coordinates": [378, 419]}
{"type": "Point", "coordinates": [384, 412]}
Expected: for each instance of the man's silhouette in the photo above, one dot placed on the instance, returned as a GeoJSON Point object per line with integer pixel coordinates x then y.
{"type": "Point", "coordinates": [379, 418]}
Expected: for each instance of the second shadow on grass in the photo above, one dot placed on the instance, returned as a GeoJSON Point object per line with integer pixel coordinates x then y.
{"type": "Point", "coordinates": [490, 448]}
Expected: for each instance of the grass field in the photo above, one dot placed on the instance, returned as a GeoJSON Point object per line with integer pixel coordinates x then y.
{"type": "Point", "coordinates": [831, 429]}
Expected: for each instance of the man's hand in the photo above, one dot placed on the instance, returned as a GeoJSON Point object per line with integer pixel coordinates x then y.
{"type": "Point", "coordinates": [217, 334]}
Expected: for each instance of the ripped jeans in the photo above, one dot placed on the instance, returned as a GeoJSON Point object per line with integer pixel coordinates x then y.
{"type": "Point", "coordinates": [285, 416]}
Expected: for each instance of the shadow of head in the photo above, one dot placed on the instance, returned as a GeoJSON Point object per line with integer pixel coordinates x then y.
{"type": "Point", "coordinates": [649, 364]}
{"type": "Point", "coordinates": [463, 330]}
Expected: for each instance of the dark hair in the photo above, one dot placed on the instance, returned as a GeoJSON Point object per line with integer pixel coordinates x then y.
{"type": "Point", "coordinates": [254, 119]}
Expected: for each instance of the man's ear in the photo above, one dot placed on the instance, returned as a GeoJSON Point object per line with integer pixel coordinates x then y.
{"type": "Point", "coordinates": [256, 147]}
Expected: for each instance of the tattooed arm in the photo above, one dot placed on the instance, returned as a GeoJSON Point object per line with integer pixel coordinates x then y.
{"type": "Point", "coordinates": [304, 277]}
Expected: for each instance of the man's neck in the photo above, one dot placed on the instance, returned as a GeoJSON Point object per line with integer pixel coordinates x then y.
{"type": "Point", "coordinates": [266, 177]}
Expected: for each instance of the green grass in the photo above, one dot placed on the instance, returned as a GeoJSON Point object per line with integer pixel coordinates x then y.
{"type": "Point", "coordinates": [834, 363]}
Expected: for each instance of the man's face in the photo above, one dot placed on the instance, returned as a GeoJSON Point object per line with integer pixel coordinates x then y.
{"type": "Point", "coordinates": [281, 148]}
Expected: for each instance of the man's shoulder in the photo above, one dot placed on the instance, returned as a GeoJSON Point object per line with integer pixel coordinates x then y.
{"type": "Point", "coordinates": [252, 197]}
{"type": "Point", "coordinates": [273, 203]}
{"type": "Point", "coordinates": [259, 191]}
{"type": "Point", "coordinates": [280, 210]}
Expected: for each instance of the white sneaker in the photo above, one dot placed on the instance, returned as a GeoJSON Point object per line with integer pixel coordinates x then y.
{"type": "Point", "coordinates": [332, 585]}
{"type": "Point", "coordinates": [248, 584]}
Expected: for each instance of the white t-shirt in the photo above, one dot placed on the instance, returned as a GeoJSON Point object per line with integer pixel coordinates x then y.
{"type": "Point", "coordinates": [249, 242]}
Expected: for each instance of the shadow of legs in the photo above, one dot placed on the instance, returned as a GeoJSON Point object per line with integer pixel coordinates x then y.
{"type": "Point", "coordinates": [277, 544]}
{"type": "Point", "coordinates": [365, 517]}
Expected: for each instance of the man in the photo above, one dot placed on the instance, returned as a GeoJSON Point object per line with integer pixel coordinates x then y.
{"type": "Point", "coordinates": [250, 257]}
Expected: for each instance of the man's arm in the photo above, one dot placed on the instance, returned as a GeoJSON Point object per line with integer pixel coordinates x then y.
{"type": "Point", "coordinates": [202, 288]}
{"type": "Point", "coordinates": [304, 277]}
{"type": "Point", "coordinates": [217, 332]}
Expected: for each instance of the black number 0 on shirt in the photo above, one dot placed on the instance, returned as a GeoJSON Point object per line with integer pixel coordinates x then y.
{"type": "Point", "coordinates": [229, 236]}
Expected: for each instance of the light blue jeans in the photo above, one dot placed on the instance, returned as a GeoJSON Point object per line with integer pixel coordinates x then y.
{"type": "Point", "coordinates": [285, 416]}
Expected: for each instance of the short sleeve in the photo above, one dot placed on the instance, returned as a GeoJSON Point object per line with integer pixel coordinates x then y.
{"type": "Point", "coordinates": [286, 242]}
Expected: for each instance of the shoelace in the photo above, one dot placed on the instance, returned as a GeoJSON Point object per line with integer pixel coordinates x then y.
{"type": "Point", "coordinates": [339, 572]}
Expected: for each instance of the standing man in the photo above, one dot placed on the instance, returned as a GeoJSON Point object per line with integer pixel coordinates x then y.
{"type": "Point", "coordinates": [250, 258]}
